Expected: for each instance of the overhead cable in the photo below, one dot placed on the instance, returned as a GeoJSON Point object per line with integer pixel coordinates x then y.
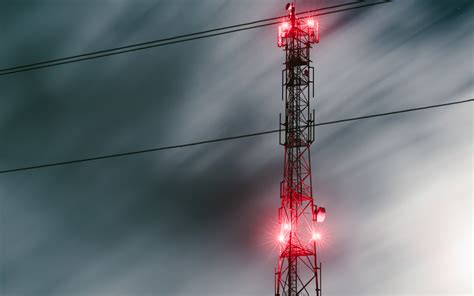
{"type": "Point", "coordinates": [225, 138]}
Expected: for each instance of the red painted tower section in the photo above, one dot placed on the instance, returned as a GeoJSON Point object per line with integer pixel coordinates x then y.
{"type": "Point", "coordinates": [298, 271]}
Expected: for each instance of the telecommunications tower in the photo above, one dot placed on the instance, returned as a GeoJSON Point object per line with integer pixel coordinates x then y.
{"type": "Point", "coordinates": [298, 271]}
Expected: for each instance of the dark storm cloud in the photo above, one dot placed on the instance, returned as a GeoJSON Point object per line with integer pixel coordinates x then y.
{"type": "Point", "coordinates": [139, 212]}
{"type": "Point", "coordinates": [193, 221]}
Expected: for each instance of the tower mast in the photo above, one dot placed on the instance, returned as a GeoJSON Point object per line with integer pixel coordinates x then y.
{"type": "Point", "coordinates": [298, 272]}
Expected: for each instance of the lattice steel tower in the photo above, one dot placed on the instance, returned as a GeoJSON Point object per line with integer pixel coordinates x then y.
{"type": "Point", "coordinates": [298, 271]}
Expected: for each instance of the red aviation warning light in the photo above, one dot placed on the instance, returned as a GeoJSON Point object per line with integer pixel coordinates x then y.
{"type": "Point", "coordinates": [312, 28]}
{"type": "Point", "coordinates": [283, 32]}
{"type": "Point", "coordinates": [307, 27]}
{"type": "Point", "coordinates": [316, 236]}
{"type": "Point", "coordinates": [317, 31]}
{"type": "Point", "coordinates": [281, 238]}
{"type": "Point", "coordinates": [320, 214]}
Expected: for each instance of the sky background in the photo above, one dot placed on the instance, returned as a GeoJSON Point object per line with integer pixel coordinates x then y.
{"type": "Point", "coordinates": [198, 221]}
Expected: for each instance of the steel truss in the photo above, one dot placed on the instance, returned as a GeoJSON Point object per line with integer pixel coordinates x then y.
{"type": "Point", "coordinates": [298, 272]}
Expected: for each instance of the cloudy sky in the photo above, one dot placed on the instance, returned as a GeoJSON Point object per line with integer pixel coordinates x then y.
{"type": "Point", "coordinates": [197, 221]}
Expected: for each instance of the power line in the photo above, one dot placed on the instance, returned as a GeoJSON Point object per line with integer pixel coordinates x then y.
{"type": "Point", "coordinates": [168, 39]}
{"type": "Point", "coordinates": [227, 138]}
{"type": "Point", "coordinates": [165, 39]}
{"type": "Point", "coordinates": [171, 40]}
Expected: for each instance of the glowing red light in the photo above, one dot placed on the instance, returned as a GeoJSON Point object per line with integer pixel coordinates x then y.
{"type": "Point", "coordinates": [283, 31]}
{"type": "Point", "coordinates": [310, 23]}
{"type": "Point", "coordinates": [317, 31]}
{"type": "Point", "coordinates": [281, 238]}
{"type": "Point", "coordinates": [316, 236]}
{"type": "Point", "coordinates": [320, 214]}
{"type": "Point", "coordinates": [280, 39]}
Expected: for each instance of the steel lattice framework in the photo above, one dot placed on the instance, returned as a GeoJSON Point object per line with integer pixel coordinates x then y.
{"type": "Point", "coordinates": [298, 271]}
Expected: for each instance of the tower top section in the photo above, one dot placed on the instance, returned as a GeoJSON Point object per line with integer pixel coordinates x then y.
{"type": "Point", "coordinates": [293, 27]}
